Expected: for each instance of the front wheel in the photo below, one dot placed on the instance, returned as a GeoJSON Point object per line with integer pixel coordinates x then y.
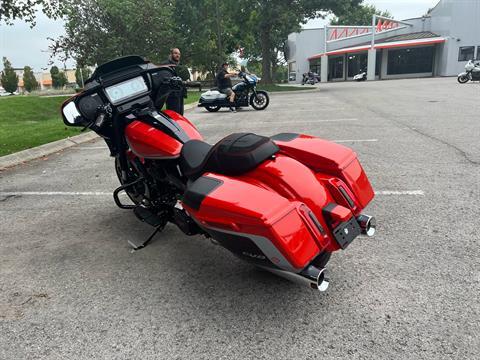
{"type": "Point", "coordinates": [462, 79]}
{"type": "Point", "coordinates": [260, 101]}
{"type": "Point", "coordinates": [212, 108]}
{"type": "Point", "coordinates": [136, 192]}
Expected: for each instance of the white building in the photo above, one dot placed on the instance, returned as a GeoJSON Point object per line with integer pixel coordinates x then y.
{"type": "Point", "coordinates": [436, 44]}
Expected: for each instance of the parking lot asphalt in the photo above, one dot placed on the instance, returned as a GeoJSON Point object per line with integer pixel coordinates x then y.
{"type": "Point", "coordinates": [70, 287]}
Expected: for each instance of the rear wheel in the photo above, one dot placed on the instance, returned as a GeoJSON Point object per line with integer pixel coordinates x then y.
{"type": "Point", "coordinates": [322, 259]}
{"type": "Point", "coordinates": [462, 79]}
{"type": "Point", "coordinates": [261, 101]}
{"type": "Point", "coordinates": [212, 108]}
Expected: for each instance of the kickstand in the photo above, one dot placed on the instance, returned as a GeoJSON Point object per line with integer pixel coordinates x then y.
{"type": "Point", "coordinates": [146, 242]}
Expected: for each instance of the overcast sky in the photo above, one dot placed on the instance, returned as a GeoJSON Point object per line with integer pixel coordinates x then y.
{"type": "Point", "coordinates": [25, 46]}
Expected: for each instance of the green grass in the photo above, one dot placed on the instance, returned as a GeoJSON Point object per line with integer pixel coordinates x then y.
{"type": "Point", "coordinates": [28, 121]}
{"type": "Point", "coordinates": [193, 96]}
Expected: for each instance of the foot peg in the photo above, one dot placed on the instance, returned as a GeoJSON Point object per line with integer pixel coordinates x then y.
{"type": "Point", "coordinates": [146, 215]}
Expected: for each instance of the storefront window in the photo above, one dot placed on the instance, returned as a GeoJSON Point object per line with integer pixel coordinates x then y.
{"type": "Point", "coordinates": [410, 61]}
{"type": "Point", "coordinates": [335, 67]}
{"type": "Point", "coordinates": [465, 53]}
{"type": "Point", "coordinates": [315, 66]}
{"type": "Point", "coordinates": [356, 63]}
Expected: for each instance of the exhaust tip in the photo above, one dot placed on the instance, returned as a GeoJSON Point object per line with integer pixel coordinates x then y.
{"type": "Point", "coordinates": [323, 280]}
{"type": "Point", "coordinates": [368, 224]}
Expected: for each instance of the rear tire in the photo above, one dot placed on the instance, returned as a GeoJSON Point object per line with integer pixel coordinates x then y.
{"type": "Point", "coordinates": [322, 259]}
{"type": "Point", "coordinates": [462, 79]}
{"type": "Point", "coordinates": [261, 101]}
{"type": "Point", "coordinates": [212, 108]}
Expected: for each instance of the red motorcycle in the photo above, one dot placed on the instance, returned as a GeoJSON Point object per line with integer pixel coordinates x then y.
{"type": "Point", "coordinates": [283, 203]}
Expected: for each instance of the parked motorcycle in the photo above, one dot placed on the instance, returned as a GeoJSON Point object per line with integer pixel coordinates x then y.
{"type": "Point", "coordinates": [361, 76]}
{"type": "Point", "coordinates": [283, 203]}
{"type": "Point", "coordinates": [472, 73]}
{"type": "Point", "coordinates": [246, 94]}
{"type": "Point", "coordinates": [310, 78]}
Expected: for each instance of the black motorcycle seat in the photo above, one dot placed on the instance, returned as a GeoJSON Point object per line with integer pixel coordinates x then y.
{"type": "Point", "coordinates": [235, 154]}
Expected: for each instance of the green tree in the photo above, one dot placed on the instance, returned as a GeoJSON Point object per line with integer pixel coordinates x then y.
{"type": "Point", "coordinates": [206, 31]}
{"type": "Point", "coordinates": [359, 15]}
{"type": "Point", "coordinates": [97, 31]}
{"type": "Point", "coordinates": [81, 75]}
{"type": "Point", "coordinates": [8, 78]}
{"type": "Point", "coordinates": [29, 81]}
{"type": "Point", "coordinates": [59, 79]}
{"type": "Point", "coordinates": [26, 9]}
{"type": "Point", "coordinates": [266, 25]}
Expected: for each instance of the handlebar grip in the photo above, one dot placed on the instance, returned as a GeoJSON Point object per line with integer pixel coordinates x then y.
{"type": "Point", "coordinates": [100, 120]}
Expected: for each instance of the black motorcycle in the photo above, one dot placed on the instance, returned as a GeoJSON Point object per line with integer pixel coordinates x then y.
{"type": "Point", "coordinates": [310, 78]}
{"type": "Point", "coordinates": [246, 94]}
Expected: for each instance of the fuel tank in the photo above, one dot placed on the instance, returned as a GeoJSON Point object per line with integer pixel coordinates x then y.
{"type": "Point", "coordinates": [161, 136]}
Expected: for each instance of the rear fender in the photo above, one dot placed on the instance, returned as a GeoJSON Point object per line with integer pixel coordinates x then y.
{"type": "Point", "coordinates": [331, 159]}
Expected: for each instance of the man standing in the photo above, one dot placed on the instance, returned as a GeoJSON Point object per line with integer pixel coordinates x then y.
{"type": "Point", "coordinates": [224, 83]}
{"type": "Point", "coordinates": [175, 99]}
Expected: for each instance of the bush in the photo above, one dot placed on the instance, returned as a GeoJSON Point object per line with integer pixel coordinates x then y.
{"type": "Point", "coordinates": [9, 78]}
{"type": "Point", "coordinates": [29, 81]}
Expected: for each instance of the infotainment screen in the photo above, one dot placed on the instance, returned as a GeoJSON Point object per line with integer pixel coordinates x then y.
{"type": "Point", "coordinates": [126, 89]}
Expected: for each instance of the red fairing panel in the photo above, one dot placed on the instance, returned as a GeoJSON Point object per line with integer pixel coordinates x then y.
{"type": "Point", "coordinates": [148, 142]}
{"type": "Point", "coordinates": [258, 213]}
{"type": "Point", "coordinates": [327, 159]}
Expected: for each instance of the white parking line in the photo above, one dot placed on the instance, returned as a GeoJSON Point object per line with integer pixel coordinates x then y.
{"type": "Point", "coordinates": [408, 192]}
{"type": "Point", "coordinates": [358, 140]}
{"type": "Point", "coordinates": [273, 123]}
{"type": "Point", "coordinates": [56, 193]}
{"type": "Point", "coordinates": [105, 193]}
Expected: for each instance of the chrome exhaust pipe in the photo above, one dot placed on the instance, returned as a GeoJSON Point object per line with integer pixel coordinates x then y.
{"type": "Point", "coordinates": [312, 277]}
{"type": "Point", "coordinates": [368, 224]}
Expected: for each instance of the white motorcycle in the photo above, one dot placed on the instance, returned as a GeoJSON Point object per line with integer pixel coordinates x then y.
{"type": "Point", "coordinates": [472, 73]}
{"type": "Point", "coordinates": [361, 76]}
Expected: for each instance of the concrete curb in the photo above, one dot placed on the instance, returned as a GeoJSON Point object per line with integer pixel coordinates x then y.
{"type": "Point", "coordinates": [23, 156]}
{"type": "Point", "coordinates": [44, 150]}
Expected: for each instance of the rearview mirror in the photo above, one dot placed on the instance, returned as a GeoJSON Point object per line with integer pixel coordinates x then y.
{"type": "Point", "coordinates": [71, 115]}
